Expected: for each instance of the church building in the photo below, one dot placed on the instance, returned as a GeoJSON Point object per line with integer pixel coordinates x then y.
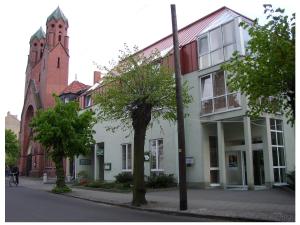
{"type": "Point", "coordinates": [46, 73]}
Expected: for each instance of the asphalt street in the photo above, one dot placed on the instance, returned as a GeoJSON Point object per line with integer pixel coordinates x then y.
{"type": "Point", "coordinates": [23, 204]}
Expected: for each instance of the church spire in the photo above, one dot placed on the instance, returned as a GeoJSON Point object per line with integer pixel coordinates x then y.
{"type": "Point", "coordinates": [39, 34]}
{"type": "Point", "coordinates": [56, 15]}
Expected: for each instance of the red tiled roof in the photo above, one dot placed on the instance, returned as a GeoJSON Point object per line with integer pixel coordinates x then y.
{"type": "Point", "coordinates": [75, 87]}
{"type": "Point", "coordinates": [190, 32]}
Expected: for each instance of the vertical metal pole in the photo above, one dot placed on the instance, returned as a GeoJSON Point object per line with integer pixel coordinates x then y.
{"type": "Point", "coordinates": [180, 117]}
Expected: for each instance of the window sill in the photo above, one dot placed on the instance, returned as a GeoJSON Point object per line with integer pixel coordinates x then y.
{"type": "Point", "coordinates": [157, 170]}
{"type": "Point", "coordinates": [280, 184]}
{"type": "Point", "coordinates": [127, 170]}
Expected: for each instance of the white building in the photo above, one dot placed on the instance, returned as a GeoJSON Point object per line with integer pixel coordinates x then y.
{"type": "Point", "coordinates": [223, 146]}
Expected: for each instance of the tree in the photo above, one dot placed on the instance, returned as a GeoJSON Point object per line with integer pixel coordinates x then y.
{"type": "Point", "coordinates": [12, 150]}
{"type": "Point", "coordinates": [266, 74]}
{"type": "Point", "coordinates": [137, 90]}
{"type": "Point", "coordinates": [64, 132]}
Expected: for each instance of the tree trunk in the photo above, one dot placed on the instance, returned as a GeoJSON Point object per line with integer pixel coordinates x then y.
{"type": "Point", "coordinates": [60, 182]}
{"type": "Point", "coordinates": [140, 120]}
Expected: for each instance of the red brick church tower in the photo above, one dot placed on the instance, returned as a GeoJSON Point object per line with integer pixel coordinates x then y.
{"type": "Point", "coordinates": [46, 73]}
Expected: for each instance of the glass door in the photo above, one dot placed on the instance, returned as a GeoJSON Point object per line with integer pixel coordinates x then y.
{"type": "Point", "coordinates": [234, 168]}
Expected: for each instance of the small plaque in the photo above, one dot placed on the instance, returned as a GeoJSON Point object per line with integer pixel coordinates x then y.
{"type": "Point", "coordinates": [107, 166]}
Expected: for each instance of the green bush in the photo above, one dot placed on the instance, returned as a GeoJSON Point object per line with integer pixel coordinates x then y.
{"type": "Point", "coordinates": [101, 184]}
{"type": "Point", "coordinates": [291, 179]}
{"type": "Point", "coordinates": [58, 190]}
{"type": "Point", "coordinates": [108, 185]}
{"type": "Point", "coordinates": [124, 178]}
{"type": "Point", "coordinates": [94, 184]}
{"type": "Point", "coordinates": [161, 181]}
{"type": "Point", "coordinates": [82, 174]}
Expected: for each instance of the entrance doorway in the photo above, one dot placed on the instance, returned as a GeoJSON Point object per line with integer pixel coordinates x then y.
{"type": "Point", "coordinates": [235, 168]}
{"type": "Point", "coordinates": [28, 164]}
{"type": "Point", "coordinates": [258, 167]}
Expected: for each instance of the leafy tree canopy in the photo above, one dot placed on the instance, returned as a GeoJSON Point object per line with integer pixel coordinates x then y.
{"type": "Point", "coordinates": [64, 132]}
{"type": "Point", "coordinates": [12, 149]}
{"type": "Point", "coordinates": [134, 80]}
{"type": "Point", "coordinates": [266, 74]}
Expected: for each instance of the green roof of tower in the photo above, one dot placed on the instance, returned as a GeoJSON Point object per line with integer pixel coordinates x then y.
{"type": "Point", "coordinates": [38, 35]}
{"type": "Point", "coordinates": [57, 14]}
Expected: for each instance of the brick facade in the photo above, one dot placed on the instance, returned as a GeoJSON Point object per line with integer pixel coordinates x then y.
{"type": "Point", "coordinates": [46, 73]}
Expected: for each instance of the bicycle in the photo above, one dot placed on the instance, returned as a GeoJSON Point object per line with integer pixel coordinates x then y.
{"type": "Point", "coordinates": [12, 179]}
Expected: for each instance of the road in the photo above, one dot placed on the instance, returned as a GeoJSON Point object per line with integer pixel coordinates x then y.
{"type": "Point", "coordinates": [23, 204]}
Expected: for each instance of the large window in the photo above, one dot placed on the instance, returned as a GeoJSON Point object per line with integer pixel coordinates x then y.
{"type": "Point", "coordinates": [126, 157]}
{"type": "Point", "coordinates": [215, 95]}
{"type": "Point", "coordinates": [156, 152]}
{"type": "Point", "coordinates": [217, 45]}
{"type": "Point", "coordinates": [279, 164]}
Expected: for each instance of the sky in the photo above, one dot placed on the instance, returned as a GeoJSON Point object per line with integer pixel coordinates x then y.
{"type": "Point", "coordinates": [97, 30]}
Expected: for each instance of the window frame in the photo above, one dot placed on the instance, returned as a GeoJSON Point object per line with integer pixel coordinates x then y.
{"type": "Point", "coordinates": [277, 146]}
{"type": "Point", "coordinates": [157, 155]}
{"type": "Point", "coordinates": [213, 168]}
{"type": "Point", "coordinates": [223, 45]}
{"type": "Point", "coordinates": [87, 101]}
{"type": "Point", "coordinates": [127, 169]}
{"type": "Point", "coordinates": [212, 98]}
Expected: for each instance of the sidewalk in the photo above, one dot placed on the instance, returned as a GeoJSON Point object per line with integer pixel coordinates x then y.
{"type": "Point", "coordinates": [231, 205]}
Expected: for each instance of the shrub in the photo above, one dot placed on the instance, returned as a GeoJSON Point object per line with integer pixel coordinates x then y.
{"type": "Point", "coordinates": [94, 184]}
{"type": "Point", "coordinates": [291, 179]}
{"type": "Point", "coordinates": [82, 174]}
{"type": "Point", "coordinates": [124, 178]}
{"type": "Point", "coordinates": [107, 185]}
{"type": "Point", "coordinates": [59, 190]}
{"type": "Point", "coordinates": [161, 181]}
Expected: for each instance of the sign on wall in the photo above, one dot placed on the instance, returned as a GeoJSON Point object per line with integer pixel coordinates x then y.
{"type": "Point", "coordinates": [85, 162]}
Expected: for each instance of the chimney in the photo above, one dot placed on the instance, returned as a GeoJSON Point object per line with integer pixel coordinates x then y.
{"type": "Point", "coordinates": [97, 76]}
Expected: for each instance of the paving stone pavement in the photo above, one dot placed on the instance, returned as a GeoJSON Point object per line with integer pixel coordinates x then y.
{"type": "Point", "coordinates": [277, 204]}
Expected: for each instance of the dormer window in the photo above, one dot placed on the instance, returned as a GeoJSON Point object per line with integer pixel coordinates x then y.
{"type": "Point", "coordinates": [217, 45]}
{"type": "Point", "coordinates": [60, 26]}
{"type": "Point", "coordinates": [52, 25]}
{"type": "Point", "coordinates": [87, 101]}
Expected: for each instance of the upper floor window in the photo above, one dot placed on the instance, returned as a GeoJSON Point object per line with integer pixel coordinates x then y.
{"type": "Point", "coordinates": [215, 95]}
{"type": "Point", "coordinates": [156, 152]}
{"type": "Point", "coordinates": [217, 45]}
{"type": "Point", "coordinates": [87, 101]}
{"type": "Point", "coordinates": [126, 157]}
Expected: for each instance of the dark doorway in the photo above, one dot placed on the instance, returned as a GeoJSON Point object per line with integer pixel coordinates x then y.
{"type": "Point", "coordinates": [71, 168]}
{"type": "Point", "coordinates": [258, 167]}
{"type": "Point", "coordinates": [28, 164]}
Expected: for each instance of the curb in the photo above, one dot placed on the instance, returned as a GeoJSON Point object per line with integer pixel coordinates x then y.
{"type": "Point", "coordinates": [170, 212]}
